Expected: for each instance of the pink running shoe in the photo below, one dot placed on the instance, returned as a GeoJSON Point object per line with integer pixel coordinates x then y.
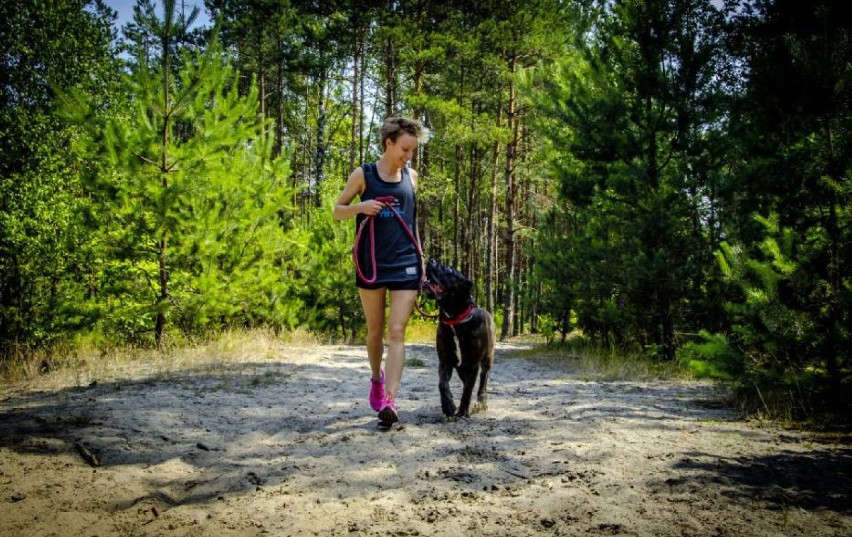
{"type": "Point", "coordinates": [388, 415]}
{"type": "Point", "coordinates": [377, 392]}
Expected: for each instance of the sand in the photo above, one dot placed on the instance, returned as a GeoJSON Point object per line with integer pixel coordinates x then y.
{"type": "Point", "coordinates": [287, 445]}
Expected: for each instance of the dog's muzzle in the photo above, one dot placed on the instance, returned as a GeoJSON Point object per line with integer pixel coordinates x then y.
{"type": "Point", "coordinates": [433, 290]}
{"type": "Point", "coordinates": [442, 279]}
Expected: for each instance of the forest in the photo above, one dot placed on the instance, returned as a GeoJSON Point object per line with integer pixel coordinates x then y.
{"type": "Point", "coordinates": [669, 178]}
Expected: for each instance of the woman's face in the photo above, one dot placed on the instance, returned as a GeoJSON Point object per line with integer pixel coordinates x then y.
{"type": "Point", "coordinates": [402, 150]}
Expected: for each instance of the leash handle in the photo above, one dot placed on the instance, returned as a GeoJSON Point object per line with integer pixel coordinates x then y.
{"type": "Point", "coordinates": [420, 310]}
{"type": "Point", "coordinates": [370, 221]}
{"type": "Point", "coordinates": [387, 201]}
{"type": "Point", "coordinates": [364, 222]}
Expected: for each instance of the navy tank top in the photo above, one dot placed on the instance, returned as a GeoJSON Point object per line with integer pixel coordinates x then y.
{"type": "Point", "coordinates": [396, 255]}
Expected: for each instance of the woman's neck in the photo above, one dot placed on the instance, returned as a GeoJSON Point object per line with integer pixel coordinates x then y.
{"type": "Point", "coordinates": [388, 169]}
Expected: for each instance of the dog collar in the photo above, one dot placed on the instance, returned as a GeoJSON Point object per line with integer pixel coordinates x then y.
{"type": "Point", "coordinates": [464, 317]}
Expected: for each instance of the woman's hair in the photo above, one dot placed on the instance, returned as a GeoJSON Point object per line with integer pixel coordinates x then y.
{"type": "Point", "coordinates": [394, 126]}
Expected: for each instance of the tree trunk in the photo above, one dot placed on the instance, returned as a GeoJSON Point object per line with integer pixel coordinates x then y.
{"type": "Point", "coordinates": [509, 283]}
{"type": "Point", "coordinates": [320, 150]}
{"type": "Point", "coordinates": [522, 298]}
{"type": "Point", "coordinates": [361, 110]}
{"type": "Point", "coordinates": [423, 230]}
{"type": "Point", "coordinates": [491, 234]}
{"type": "Point", "coordinates": [356, 114]}
{"type": "Point", "coordinates": [833, 348]}
{"type": "Point", "coordinates": [390, 80]}
{"type": "Point", "coordinates": [279, 112]}
{"type": "Point", "coordinates": [518, 320]}
{"type": "Point", "coordinates": [418, 112]}
{"type": "Point", "coordinates": [261, 78]}
{"type": "Point", "coordinates": [162, 246]}
{"type": "Point", "coordinates": [456, 198]}
{"type": "Point", "coordinates": [471, 241]}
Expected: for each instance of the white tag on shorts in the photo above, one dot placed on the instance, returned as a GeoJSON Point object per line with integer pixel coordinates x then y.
{"type": "Point", "coordinates": [411, 271]}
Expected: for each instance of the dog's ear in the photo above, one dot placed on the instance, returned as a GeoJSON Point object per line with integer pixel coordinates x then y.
{"type": "Point", "coordinates": [467, 285]}
{"type": "Point", "coordinates": [431, 268]}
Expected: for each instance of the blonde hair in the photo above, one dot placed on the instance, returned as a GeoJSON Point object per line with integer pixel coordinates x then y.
{"type": "Point", "coordinates": [394, 126]}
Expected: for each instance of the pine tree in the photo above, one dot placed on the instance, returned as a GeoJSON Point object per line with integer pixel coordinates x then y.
{"type": "Point", "coordinates": [45, 276]}
{"type": "Point", "coordinates": [195, 204]}
{"type": "Point", "coordinates": [791, 127]}
{"type": "Point", "coordinates": [631, 108]}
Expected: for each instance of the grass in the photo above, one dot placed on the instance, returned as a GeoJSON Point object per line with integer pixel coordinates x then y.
{"type": "Point", "coordinates": [415, 362]}
{"type": "Point", "coordinates": [794, 402]}
{"type": "Point", "coordinates": [420, 330]}
{"type": "Point", "coordinates": [589, 362]}
{"type": "Point", "coordinates": [94, 361]}
{"type": "Point", "coordinates": [89, 361]}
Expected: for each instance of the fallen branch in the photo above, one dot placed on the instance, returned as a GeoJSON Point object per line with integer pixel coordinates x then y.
{"type": "Point", "coordinates": [88, 456]}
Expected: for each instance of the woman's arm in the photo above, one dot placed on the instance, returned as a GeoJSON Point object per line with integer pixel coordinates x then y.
{"type": "Point", "coordinates": [355, 186]}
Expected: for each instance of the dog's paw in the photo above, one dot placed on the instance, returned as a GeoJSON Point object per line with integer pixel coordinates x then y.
{"type": "Point", "coordinates": [479, 407]}
{"type": "Point", "coordinates": [451, 419]}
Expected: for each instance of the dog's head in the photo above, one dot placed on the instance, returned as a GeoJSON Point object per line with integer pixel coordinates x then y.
{"type": "Point", "coordinates": [449, 287]}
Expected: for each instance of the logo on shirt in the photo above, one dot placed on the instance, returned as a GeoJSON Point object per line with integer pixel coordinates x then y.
{"type": "Point", "coordinates": [386, 212]}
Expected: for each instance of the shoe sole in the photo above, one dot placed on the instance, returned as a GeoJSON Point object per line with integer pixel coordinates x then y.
{"type": "Point", "coordinates": [388, 416]}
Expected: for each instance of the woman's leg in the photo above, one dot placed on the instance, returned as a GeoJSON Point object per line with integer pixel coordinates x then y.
{"type": "Point", "coordinates": [401, 306]}
{"type": "Point", "coordinates": [373, 302]}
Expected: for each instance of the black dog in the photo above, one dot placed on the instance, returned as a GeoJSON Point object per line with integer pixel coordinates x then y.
{"type": "Point", "coordinates": [465, 340]}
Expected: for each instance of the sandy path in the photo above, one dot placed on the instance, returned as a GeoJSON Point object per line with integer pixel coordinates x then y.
{"type": "Point", "coordinates": [289, 446]}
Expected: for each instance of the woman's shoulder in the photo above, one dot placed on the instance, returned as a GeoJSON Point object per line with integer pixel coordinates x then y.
{"type": "Point", "coordinates": [412, 174]}
{"type": "Point", "coordinates": [367, 169]}
{"type": "Point", "coordinates": [358, 173]}
{"type": "Point", "coordinates": [357, 179]}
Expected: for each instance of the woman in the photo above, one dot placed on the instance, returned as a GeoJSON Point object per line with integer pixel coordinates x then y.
{"type": "Point", "coordinates": [398, 267]}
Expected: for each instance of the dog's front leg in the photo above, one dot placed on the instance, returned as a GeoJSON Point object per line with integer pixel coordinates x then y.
{"type": "Point", "coordinates": [445, 373]}
{"type": "Point", "coordinates": [482, 394]}
{"type": "Point", "coordinates": [468, 377]}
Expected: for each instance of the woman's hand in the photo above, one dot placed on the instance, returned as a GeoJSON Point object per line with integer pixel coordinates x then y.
{"type": "Point", "coordinates": [370, 207]}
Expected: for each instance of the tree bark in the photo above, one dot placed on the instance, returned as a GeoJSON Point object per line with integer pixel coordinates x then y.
{"type": "Point", "coordinates": [456, 198]}
{"type": "Point", "coordinates": [471, 227]}
{"type": "Point", "coordinates": [320, 150]}
{"type": "Point", "coordinates": [491, 244]}
{"type": "Point", "coordinates": [361, 110]}
{"type": "Point", "coordinates": [356, 114]}
{"type": "Point", "coordinates": [261, 78]}
{"type": "Point", "coordinates": [163, 243]}
{"type": "Point", "coordinates": [509, 283]}
{"type": "Point", "coordinates": [390, 78]}
{"type": "Point", "coordinates": [279, 112]}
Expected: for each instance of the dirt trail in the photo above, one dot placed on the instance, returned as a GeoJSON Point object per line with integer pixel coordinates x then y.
{"type": "Point", "coordinates": [289, 446]}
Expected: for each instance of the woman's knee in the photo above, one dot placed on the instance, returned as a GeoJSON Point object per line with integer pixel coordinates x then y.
{"type": "Point", "coordinates": [396, 333]}
{"type": "Point", "coordinates": [374, 334]}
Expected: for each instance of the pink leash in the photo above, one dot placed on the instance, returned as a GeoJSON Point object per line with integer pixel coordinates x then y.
{"type": "Point", "coordinates": [370, 220]}
{"type": "Point", "coordinates": [388, 202]}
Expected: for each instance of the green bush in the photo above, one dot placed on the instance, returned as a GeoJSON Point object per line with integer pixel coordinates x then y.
{"type": "Point", "coordinates": [712, 357]}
